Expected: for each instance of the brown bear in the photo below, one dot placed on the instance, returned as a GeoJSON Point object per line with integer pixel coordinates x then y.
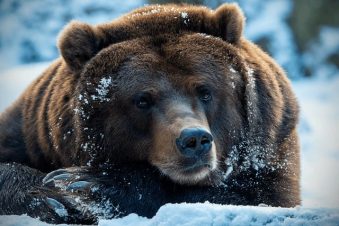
{"type": "Point", "coordinates": [175, 86]}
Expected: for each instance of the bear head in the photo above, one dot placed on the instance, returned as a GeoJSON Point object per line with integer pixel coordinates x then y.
{"type": "Point", "coordinates": [170, 85]}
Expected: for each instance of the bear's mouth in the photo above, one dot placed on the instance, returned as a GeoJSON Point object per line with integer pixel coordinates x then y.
{"type": "Point", "coordinates": [190, 171]}
{"type": "Point", "coordinates": [198, 171]}
{"type": "Point", "coordinates": [197, 167]}
{"type": "Point", "coordinates": [191, 175]}
{"type": "Point", "coordinates": [192, 166]}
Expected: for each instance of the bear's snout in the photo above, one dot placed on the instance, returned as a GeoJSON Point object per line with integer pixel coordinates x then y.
{"type": "Point", "coordinates": [184, 148]}
{"type": "Point", "coordinates": [194, 142]}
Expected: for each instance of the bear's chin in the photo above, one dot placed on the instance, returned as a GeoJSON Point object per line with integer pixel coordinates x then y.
{"type": "Point", "coordinates": [198, 175]}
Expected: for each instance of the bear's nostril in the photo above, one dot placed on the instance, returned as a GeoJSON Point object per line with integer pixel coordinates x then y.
{"type": "Point", "coordinates": [205, 140]}
{"type": "Point", "coordinates": [191, 142]}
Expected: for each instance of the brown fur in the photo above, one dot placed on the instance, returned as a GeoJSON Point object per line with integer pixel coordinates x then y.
{"type": "Point", "coordinates": [168, 51]}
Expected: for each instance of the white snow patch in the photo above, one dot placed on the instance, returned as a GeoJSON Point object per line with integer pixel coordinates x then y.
{"type": "Point", "coordinates": [212, 214]}
{"type": "Point", "coordinates": [22, 220]}
{"type": "Point", "coordinates": [184, 15]}
{"type": "Point", "coordinates": [81, 97]}
{"type": "Point", "coordinates": [153, 11]}
{"type": "Point", "coordinates": [233, 70]}
{"type": "Point", "coordinates": [102, 90]}
{"type": "Point", "coordinates": [251, 96]}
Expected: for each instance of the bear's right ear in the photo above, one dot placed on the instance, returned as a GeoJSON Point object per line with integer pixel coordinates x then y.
{"type": "Point", "coordinates": [78, 43]}
{"type": "Point", "coordinates": [230, 20]}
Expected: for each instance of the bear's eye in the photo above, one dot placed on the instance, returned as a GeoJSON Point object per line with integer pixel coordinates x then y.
{"type": "Point", "coordinates": [143, 100]}
{"type": "Point", "coordinates": [204, 93]}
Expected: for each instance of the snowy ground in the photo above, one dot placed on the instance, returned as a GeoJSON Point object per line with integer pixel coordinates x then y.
{"type": "Point", "coordinates": [319, 101]}
{"type": "Point", "coordinates": [211, 214]}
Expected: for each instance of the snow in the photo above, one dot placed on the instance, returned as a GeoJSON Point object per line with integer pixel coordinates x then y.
{"type": "Point", "coordinates": [102, 90]}
{"type": "Point", "coordinates": [184, 15]}
{"type": "Point", "coordinates": [211, 214]}
{"type": "Point", "coordinates": [22, 220]}
{"type": "Point", "coordinates": [318, 98]}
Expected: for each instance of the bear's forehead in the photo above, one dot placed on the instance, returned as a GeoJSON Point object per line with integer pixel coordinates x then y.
{"type": "Point", "coordinates": [163, 63]}
{"type": "Point", "coordinates": [152, 70]}
{"type": "Point", "coordinates": [184, 54]}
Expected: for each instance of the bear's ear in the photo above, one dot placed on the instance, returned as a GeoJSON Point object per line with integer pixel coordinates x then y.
{"type": "Point", "coordinates": [78, 43]}
{"type": "Point", "coordinates": [231, 20]}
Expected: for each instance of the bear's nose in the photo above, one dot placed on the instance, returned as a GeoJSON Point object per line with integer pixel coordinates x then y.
{"type": "Point", "coordinates": [194, 142]}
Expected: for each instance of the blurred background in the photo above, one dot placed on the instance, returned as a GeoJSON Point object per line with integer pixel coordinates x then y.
{"type": "Point", "coordinates": [302, 35]}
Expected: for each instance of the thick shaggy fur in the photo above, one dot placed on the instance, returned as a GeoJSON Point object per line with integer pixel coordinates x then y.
{"type": "Point", "coordinates": [82, 195]}
{"type": "Point", "coordinates": [80, 111]}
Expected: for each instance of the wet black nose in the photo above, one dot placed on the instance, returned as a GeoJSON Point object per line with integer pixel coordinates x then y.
{"type": "Point", "coordinates": [194, 142]}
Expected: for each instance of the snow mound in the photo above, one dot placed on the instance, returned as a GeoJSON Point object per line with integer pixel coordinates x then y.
{"type": "Point", "coordinates": [23, 220]}
{"type": "Point", "coordinates": [211, 214]}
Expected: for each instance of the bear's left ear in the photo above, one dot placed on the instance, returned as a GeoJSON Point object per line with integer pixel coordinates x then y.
{"type": "Point", "coordinates": [231, 20]}
{"type": "Point", "coordinates": [78, 43]}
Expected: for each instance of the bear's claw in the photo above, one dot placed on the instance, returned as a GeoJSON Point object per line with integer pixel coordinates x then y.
{"type": "Point", "coordinates": [68, 179]}
{"type": "Point", "coordinates": [78, 186]}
